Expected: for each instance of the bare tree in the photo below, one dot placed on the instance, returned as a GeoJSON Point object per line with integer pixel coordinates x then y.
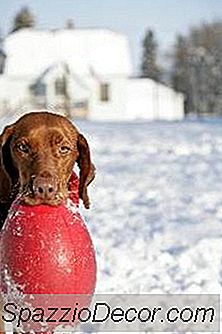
{"type": "Point", "coordinates": [197, 68]}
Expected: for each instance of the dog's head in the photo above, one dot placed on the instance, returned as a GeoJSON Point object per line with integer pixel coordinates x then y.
{"type": "Point", "coordinates": [38, 153]}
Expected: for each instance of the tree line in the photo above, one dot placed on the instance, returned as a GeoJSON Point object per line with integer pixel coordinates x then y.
{"type": "Point", "coordinates": [195, 63]}
{"type": "Point", "coordinates": [196, 67]}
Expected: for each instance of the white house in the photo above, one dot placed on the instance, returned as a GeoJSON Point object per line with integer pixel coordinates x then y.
{"type": "Point", "coordinates": [83, 72]}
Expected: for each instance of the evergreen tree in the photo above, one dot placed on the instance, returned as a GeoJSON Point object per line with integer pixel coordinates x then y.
{"type": "Point", "coordinates": [23, 19]}
{"type": "Point", "coordinates": [149, 67]}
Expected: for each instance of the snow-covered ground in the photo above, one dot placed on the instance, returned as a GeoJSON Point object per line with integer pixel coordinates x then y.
{"type": "Point", "coordinates": [156, 216]}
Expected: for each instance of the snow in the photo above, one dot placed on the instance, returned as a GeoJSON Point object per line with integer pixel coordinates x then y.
{"type": "Point", "coordinates": [156, 212]}
{"type": "Point", "coordinates": [100, 51]}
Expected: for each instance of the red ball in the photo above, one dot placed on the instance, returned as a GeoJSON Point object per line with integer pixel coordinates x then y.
{"type": "Point", "coordinates": [47, 250]}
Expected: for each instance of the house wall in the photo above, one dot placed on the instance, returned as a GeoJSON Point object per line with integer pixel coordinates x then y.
{"type": "Point", "coordinates": [147, 99]}
{"type": "Point", "coordinates": [14, 94]}
{"type": "Point", "coordinates": [141, 99]}
{"type": "Point", "coordinates": [171, 104]}
{"type": "Point", "coordinates": [76, 85]}
{"type": "Point", "coordinates": [135, 98]}
{"type": "Point", "coordinates": [115, 108]}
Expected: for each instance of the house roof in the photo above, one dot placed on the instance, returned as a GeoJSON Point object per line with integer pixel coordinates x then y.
{"type": "Point", "coordinates": [100, 51]}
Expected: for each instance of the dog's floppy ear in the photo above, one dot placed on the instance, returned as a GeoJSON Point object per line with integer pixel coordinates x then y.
{"type": "Point", "coordinates": [6, 163]}
{"type": "Point", "coordinates": [87, 169]}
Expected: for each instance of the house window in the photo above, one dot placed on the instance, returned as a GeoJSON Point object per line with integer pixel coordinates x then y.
{"type": "Point", "coordinates": [60, 86]}
{"type": "Point", "coordinates": [39, 89]}
{"type": "Point", "coordinates": [104, 92]}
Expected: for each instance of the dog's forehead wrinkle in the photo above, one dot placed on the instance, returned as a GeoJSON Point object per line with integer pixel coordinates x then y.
{"type": "Point", "coordinates": [37, 130]}
{"type": "Point", "coordinates": [44, 135]}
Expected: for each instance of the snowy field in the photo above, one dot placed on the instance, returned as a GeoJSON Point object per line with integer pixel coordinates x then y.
{"type": "Point", "coordinates": [156, 213]}
{"type": "Point", "coordinates": [156, 216]}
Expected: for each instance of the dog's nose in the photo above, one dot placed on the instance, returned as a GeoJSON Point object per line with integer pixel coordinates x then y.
{"type": "Point", "coordinates": [45, 188]}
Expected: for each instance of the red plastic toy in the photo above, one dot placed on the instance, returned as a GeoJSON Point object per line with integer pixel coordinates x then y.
{"type": "Point", "coordinates": [48, 250]}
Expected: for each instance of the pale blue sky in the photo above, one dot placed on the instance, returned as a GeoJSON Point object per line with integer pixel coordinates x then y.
{"type": "Point", "coordinates": [132, 17]}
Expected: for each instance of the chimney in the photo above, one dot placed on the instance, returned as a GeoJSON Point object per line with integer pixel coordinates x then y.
{"type": "Point", "coordinates": [70, 24]}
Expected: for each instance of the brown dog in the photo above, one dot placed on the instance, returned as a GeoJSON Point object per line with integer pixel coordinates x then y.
{"type": "Point", "coordinates": [38, 153]}
{"type": "Point", "coordinates": [37, 156]}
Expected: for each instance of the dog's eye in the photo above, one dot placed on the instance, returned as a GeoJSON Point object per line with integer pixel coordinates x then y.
{"type": "Point", "coordinates": [22, 147]}
{"type": "Point", "coordinates": [64, 149]}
